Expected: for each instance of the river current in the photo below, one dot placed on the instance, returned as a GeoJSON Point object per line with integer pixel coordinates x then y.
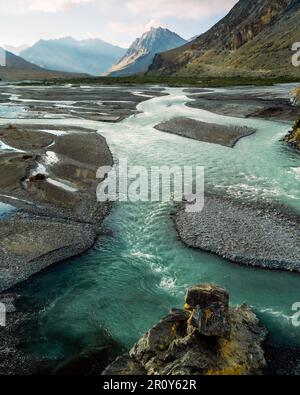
{"type": "Point", "coordinates": [134, 275]}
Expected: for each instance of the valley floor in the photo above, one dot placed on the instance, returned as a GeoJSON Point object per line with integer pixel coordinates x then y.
{"type": "Point", "coordinates": [53, 138]}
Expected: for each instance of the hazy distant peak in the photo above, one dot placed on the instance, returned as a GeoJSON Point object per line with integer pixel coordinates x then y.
{"type": "Point", "coordinates": [93, 56]}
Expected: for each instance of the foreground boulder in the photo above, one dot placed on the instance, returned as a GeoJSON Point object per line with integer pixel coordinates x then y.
{"type": "Point", "coordinates": [206, 338]}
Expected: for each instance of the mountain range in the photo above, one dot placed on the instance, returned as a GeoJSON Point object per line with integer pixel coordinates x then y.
{"type": "Point", "coordinates": [15, 49]}
{"type": "Point", "coordinates": [13, 67]}
{"type": "Point", "coordinates": [255, 38]}
{"type": "Point", "coordinates": [93, 56]}
{"type": "Point", "coordinates": [140, 55]}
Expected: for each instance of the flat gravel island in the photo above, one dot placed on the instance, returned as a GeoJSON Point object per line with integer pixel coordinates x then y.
{"type": "Point", "coordinates": [206, 132]}
{"type": "Point", "coordinates": [248, 234]}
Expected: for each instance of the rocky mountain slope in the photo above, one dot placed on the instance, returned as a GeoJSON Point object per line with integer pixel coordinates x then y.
{"type": "Point", "coordinates": [255, 38]}
{"type": "Point", "coordinates": [143, 50]}
{"type": "Point", "coordinates": [9, 60]}
{"type": "Point", "coordinates": [93, 56]}
{"type": "Point", "coordinates": [15, 68]}
{"type": "Point", "coordinates": [15, 49]}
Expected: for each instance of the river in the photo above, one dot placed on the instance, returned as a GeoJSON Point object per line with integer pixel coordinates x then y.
{"type": "Point", "coordinates": [134, 275]}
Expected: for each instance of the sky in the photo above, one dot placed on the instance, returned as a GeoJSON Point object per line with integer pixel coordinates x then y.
{"type": "Point", "coordinates": [115, 21]}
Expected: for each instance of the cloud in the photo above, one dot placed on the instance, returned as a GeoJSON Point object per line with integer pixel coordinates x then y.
{"type": "Point", "coordinates": [46, 6]}
{"type": "Point", "coordinates": [193, 9]}
{"type": "Point", "coordinates": [118, 21]}
{"type": "Point", "coordinates": [154, 9]}
{"type": "Point", "coordinates": [132, 29]}
{"type": "Point", "coordinates": [54, 5]}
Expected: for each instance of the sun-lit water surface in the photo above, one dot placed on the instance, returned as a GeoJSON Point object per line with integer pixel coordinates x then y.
{"type": "Point", "coordinates": [133, 277]}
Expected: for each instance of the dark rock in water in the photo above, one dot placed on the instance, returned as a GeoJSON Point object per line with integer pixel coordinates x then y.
{"type": "Point", "coordinates": [26, 157]}
{"type": "Point", "coordinates": [209, 306]}
{"type": "Point", "coordinates": [175, 346]}
{"type": "Point", "coordinates": [38, 177]}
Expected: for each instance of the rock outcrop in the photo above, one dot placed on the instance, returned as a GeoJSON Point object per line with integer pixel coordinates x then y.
{"type": "Point", "coordinates": [293, 137]}
{"type": "Point", "coordinates": [254, 39]}
{"type": "Point", "coordinates": [206, 338]}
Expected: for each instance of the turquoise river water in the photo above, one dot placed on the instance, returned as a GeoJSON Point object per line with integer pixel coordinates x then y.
{"type": "Point", "coordinates": [132, 277]}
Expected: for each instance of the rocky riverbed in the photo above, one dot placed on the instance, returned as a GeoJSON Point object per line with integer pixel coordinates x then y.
{"type": "Point", "coordinates": [52, 178]}
{"type": "Point", "coordinates": [49, 173]}
{"type": "Point", "coordinates": [95, 103]}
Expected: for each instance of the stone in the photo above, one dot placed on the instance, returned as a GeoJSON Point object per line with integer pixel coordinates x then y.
{"type": "Point", "coordinates": [215, 321]}
{"type": "Point", "coordinates": [38, 177]}
{"type": "Point", "coordinates": [205, 295]}
{"type": "Point", "coordinates": [208, 306]}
